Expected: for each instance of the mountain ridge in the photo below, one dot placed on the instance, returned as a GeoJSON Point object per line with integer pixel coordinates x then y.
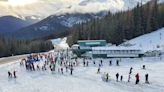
{"type": "Point", "coordinates": [12, 24]}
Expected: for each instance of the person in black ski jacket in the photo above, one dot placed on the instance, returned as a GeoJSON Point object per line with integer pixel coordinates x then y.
{"type": "Point", "coordinates": [117, 62]}
{"type": "Point", "coordinates": [130, 72]}
{"type": "Point", "coordinates": [146, 78]}
{"type": "Point", "coordinates": [9, 74]}
{"type": "Point", "coordinates": [117, 76]}
{"type": "Point", "coordinates": [98, 70]}
{"type": "Point", "coordinates": [14, 73]}
{"type": "Point", "coordinates": [71, 70]}
{"type": "Point", "coordinates": [110, 62]}
{"type": "Point", "coordinates": [121, 78]}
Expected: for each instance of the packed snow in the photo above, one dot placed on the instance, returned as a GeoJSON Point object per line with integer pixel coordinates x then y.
{"type": "Point", "coordinates": [151, 41]}
{"type": "Point", "coordinates": [84, 79]}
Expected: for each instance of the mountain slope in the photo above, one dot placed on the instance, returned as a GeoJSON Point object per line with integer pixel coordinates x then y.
{"type": "Point", "coordinates": [151, 41]}
{"type": "Point", "coordinates": [121, 26]}
{"type": "Point", "coordinates": [54, 24]}
{"type": "Point", "coordinates": [11, 24]}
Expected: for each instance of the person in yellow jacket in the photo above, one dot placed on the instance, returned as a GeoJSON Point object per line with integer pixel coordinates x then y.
{"type": "Point", "coordinates": [107, 77]}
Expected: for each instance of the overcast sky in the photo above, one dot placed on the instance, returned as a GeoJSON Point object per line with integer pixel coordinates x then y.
{"type": "Point", "coordinates": [48, 7]}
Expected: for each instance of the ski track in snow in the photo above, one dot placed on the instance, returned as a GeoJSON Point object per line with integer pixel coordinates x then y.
{"type": "Point", "coordinates": [85, 79]}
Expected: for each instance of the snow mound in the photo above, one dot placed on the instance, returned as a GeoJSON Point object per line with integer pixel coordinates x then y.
{"type": "Point", "coordinates": [60, 43]}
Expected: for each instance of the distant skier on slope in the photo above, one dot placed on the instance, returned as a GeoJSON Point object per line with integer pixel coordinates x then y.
{"type": "Point", "coordinates": [66, 67]}
{"type": "Point", "coordinates": [14, 73]}
{"type": "Point", "coordinates": [71, 69]}
{"type": "Point", "coordinates": [110, 62]}
{"type": "Point", "coordinates": [129, 77]}
{"type": "Point", "coordinates": [117, 62]}
{"type": "Point", "coordinates": [38, 68]}
{"type": "Point", "coordinates": [137, 78]}
{"type": "Point", "coordinates": [84, 63]}
{"type": "Point", "coordinates": [9, 74]}
{"type": "Point", "coordinates": [98, 70]}
{"type": "Point", "coordinates": [146, 78]}
{"type": "Point", "coordinates": [117, 76]}
{"type": "Point", "coordinates": [94, 62]}
{"type": "Point", "coordinates": [107, 77]}
{"type": "Point", "coordinates": [87, 63]}
{"type": "Point", "coordinates": [130, 72]}
{"type": "Point", "coordinates": [101, 62]}
{"type": "Point", "coordinates": [143, 67]}
{"type": "Point", "coordinates": [121, 78]}
{"type": "Point", "coordinates": [62, 70]}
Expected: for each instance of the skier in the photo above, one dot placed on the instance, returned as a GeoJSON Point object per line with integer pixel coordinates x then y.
{"type": "Point", "coordinates": [14, 73]}
{"type": "Point", "coordinates": [110, 62]}
{"type": "Point", "coordinates": [9, 74]}
{"type": "Point", "coordinates": [66, 68]}
{"type": "Point", "coordinates": [117, 62]}
{"type": "Point", "coordinates": [62, 70]}
{"type": "Point", "coordinates": [38, 68]}
{"type": "Point", "coordinates": [98, 70]}
{"type": "Point", "coordinates": [143, 67]}
{"type": "Point", "coordinates": [130, 72]}
{"type": "Point", "coordinates": [107, 77]}
{"type": "Point", "coordinates": [94, 62]}
{"type": "Point", "coordinates": [101, 63]}
{"type": "Point", "coordinates": [87, 63]}
{"type": "Point", "coordinates": [54, 66]}
{"type": "Point", "coordinates": [21, 63]}
{"type": "Point", "coordinates": [84, 63]}
{"type": "Point", "coordinates": [117, 75]}
{"type": "Point", "coordinates": [27, 67]}
{"type": "Point", "coordinates": [71, 70]}
{"type": "Point", "coordinates": [146, 78]}
{"type": "Point", "coordinates": [33, 67]}
{"type": "Point", "coordinates": [51, 68]}
{"type": "Point", "coordinates": [129, 78]}
{"type": "Point", "coordinates": [121, 78]}
{"type": "Point", "coordinates": [74, 64]}
{"type": "Point", "coordinates": [137, 78]}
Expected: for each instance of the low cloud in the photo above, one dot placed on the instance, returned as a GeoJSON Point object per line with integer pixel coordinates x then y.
{"type": "Point", "coordinates": [45, 8]}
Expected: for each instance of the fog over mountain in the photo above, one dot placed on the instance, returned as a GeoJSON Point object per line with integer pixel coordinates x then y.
{"type": "Point", "coordinates": [44, 8]}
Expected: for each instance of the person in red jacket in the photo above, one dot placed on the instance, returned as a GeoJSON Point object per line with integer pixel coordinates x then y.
{"type": "Point", "coordinates": [137, 78]}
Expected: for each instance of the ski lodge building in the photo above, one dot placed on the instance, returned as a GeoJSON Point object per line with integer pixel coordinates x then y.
{"type": "Point", "coordinates": [100, 49]}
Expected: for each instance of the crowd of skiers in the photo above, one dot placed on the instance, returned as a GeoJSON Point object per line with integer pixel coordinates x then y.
{"type": "Point", "coordinates": [43, 62]}
{"type": "Point", "coordinates": [60, 63]}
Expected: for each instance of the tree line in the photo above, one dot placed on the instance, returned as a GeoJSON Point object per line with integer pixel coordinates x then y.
{"type": "Point", "coordinates": [121, 26]}
{"type": "Point", "coordinates": [12, 46]}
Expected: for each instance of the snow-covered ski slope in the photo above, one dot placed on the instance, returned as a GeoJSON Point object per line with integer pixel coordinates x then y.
{"type": "Point", "coordinates": [151, 41]}
{"type": "Point", "coordinates": [60, 43]}
{"type": "Point", "coordinates": [85, 79]}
